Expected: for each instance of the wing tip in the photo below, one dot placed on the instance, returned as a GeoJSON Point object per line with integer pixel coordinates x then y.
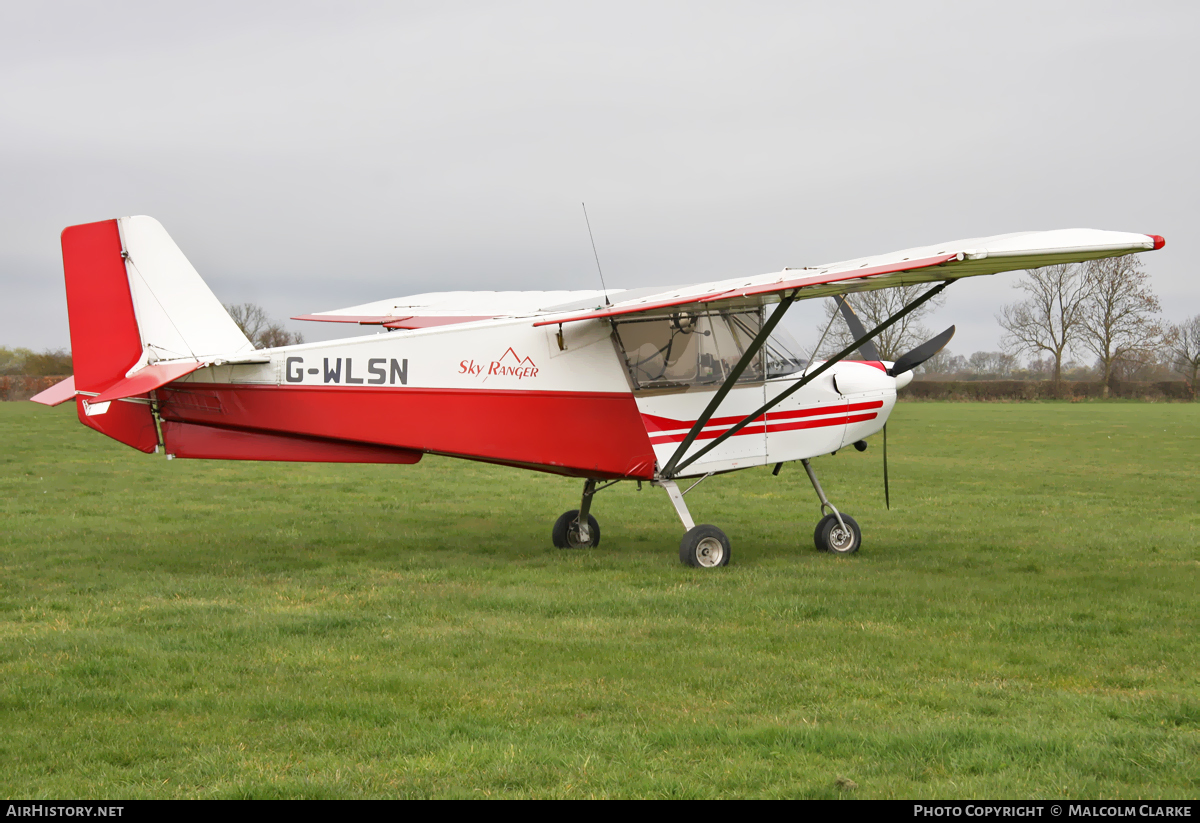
{"type": "Point", "coordinates": [1159, 241]}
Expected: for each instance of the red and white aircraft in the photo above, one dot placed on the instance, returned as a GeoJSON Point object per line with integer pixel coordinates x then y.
{"type": "Point", "coordinates": [652, 385]}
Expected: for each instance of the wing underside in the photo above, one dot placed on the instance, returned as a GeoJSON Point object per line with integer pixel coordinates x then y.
{"type": "Point", "coordinates": [946, 261]}
{"type": "Point", "coordinates": [929, 264]}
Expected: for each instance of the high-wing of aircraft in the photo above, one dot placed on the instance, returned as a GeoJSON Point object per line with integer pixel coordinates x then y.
{"type": "Point", "coordinates": [657, 385]}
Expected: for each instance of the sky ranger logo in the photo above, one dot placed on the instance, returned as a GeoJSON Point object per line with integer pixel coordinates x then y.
{"type": "Point", "coordinates": [510, 364]}
{"type": "Point", "coordinates": [380, 371]}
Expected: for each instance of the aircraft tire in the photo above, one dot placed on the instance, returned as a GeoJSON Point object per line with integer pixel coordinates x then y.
{"type": "Point", "coordinates": [821, 524]}
{"type": "Point", "coordinates": [836, 541]}
{"type": "Point", "coordinates": [704, 547]}
{"type": "Point", "coordinates": [566, 537]}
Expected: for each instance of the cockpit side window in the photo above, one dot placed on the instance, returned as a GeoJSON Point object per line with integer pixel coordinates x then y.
{"type": "Point", "coordinates": [690, 349]}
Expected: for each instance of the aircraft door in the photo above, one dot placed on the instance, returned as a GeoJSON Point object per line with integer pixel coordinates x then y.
{"type": "Point", "coordinates": [676, 365]}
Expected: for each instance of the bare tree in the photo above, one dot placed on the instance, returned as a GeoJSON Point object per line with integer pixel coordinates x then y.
{"type": "Point", "coordinates": [1118, 320]}
{"type": "Point", "coordinates": [251, 318]}
{"type": "Point", "coordinates": [1050, 320]}
{"type": "Point", "coordinates": [276, 335]}
{"type": "Point", "coordinates": [1183, 346]}
{"type": "Point", "coordinates": [873, 308]}
{"type": "Point", "coordinates": [257, 325]}
{"type": "Point", "coordinates": [944, 362]}
{"type": "Point", "coordinates": [992, 364]}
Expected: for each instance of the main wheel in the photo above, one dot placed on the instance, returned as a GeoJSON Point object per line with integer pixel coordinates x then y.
{"type": "Point", "coordinates": [566, 531]}
{"type": "Point", "coordinates": [835, 539]}
{"type": "Point", "coordinates": [704, 547]}
{"type": "Point", "coordinates": [821, 524]}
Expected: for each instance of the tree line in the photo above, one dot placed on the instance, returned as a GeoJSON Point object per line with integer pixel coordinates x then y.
{"type": "Point", "coordinates": [1098, 320]}
{"type": "Point", "coordinates": [52, 362]}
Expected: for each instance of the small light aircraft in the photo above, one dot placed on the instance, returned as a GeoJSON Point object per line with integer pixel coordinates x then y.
{"type": "Point", "coordinates": [655, 384]}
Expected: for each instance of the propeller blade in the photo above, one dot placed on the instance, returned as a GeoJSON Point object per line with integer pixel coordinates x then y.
{"type": "Point", "coordinates": [914, 358]}
{"type": "Point", "coordinates": [887, 497]}
{"type": "Point", "coordinates": [856, 328]}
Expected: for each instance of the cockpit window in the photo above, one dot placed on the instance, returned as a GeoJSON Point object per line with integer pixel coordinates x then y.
{"type": "Point", "coordinates": [700, 349]}
{"type": "Point", "coordinates": [782, 353]}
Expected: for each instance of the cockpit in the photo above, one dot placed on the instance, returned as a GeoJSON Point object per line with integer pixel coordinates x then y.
{"type": "Point", "coordinates": [689, 349]}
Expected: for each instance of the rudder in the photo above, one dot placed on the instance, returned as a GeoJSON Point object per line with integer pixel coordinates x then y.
{"type": "Point", "coordinates": [105, 343]}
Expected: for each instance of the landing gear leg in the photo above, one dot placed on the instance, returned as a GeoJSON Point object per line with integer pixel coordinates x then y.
{"type": "Point", "coordinates": [704, 547]}
{"type": "Point", "coordinates": [577, 528]}
{"type": "Point", "coordinates": [836, 532]}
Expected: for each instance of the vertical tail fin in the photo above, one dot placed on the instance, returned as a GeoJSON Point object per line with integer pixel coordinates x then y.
{"type": "Point", "coordinates": [178, 315]}
{"type": "Point", "coordinates": [134, 300]}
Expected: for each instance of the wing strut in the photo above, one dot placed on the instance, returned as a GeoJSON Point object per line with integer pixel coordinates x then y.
{"type": "Point", "coordinates": [731, 380]}
{"type": "Point", "coordinates": [672, 469]}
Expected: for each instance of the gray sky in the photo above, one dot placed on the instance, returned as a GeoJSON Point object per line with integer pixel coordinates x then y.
{"type": "Point", "coordinates": [309, 156]}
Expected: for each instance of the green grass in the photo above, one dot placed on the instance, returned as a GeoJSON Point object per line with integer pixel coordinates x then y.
{"type": "Point", "coordinates": [1023, 623]}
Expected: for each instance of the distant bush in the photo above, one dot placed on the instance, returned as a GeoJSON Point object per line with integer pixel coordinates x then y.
{"type": "Point", "coordinates": [27, 362]}
{"type": "Point", "coordinates": [996, 390]}
{"type": "Point", "coordinates": [23, 387]}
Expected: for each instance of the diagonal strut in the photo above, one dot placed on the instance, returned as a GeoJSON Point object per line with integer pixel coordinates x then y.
{"type": "Point", "coordinates": [731, 380]}
{"type": "Point", "coordinates": [801, 383]}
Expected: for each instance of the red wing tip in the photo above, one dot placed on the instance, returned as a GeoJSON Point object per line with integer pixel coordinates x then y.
{"type": "Point", "coordinates": [1159, 241]}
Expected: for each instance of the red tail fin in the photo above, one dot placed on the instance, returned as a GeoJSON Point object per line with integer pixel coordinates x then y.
{"type": "Point", "coordinates": [105, 342]}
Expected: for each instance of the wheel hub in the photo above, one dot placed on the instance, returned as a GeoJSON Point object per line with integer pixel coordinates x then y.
{"type": "Point", "coordinates": [709, 552]}
{"type": "Point", "coordinates": [840, 538]}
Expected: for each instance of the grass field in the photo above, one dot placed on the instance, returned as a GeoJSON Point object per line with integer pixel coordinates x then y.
{"type": "Point", "coordinates": [1023, 623]}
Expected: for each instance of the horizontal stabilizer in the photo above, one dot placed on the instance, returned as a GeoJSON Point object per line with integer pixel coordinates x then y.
{"type": "Point", "coordinates": [57, 394]}
{"type": "Point", "coordinates": [147, 379]}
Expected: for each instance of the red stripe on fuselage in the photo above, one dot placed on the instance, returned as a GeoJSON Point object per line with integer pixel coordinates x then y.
{"type": "Point", "coordinates": [664, 424]}
{"type": "Point", "coordinates": [575, 433]}
{"type": "Point", "coordinates": [770, 427]}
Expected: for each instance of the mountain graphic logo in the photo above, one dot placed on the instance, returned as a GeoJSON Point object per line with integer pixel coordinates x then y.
{"type": "Point", "coordinates": [511, 358]}
{"type": "Point", "coordinates": [511, 364]}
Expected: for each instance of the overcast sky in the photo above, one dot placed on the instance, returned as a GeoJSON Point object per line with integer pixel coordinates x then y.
{"type": "Point", "coordinates": [310, 156]}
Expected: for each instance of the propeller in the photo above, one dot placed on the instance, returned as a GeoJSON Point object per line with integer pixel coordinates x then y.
{"type": "Point", "coordinates": [910, 360]}
{"type": "Point", "coordinates": [905, 363]}
{"type": "Point", "coordinates": [856, 328]}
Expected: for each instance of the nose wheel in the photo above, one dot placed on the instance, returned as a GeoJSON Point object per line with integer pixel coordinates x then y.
{"type": "Point", "coordinates": [838, 538]}
{"type": "Point", "coordinates": [836, 532]}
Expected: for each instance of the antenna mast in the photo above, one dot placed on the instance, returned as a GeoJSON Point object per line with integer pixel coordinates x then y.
{"type": "Point", "coordinates": [595, 254]}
